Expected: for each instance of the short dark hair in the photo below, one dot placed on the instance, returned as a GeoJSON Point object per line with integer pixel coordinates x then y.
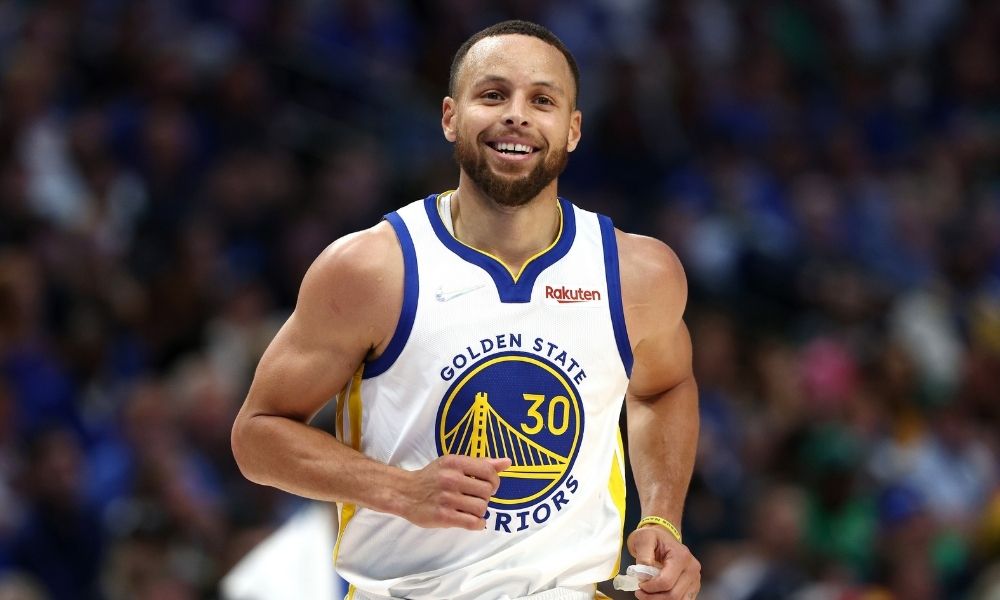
{"type": "Point", "coordinates": [514, 27]}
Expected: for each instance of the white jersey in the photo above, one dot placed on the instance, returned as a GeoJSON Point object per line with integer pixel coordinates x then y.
{"type": "Point", "coordinates": [531, 367]}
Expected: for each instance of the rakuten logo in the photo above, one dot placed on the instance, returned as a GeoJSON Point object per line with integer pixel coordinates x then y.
{"type": "Point", "coordinates": [565, 295]}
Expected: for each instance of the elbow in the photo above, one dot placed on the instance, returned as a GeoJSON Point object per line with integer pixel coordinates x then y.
{"type": "Point", "coordinates": [241, 441]}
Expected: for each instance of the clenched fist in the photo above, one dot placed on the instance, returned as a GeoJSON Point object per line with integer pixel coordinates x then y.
{"type": "Point", "coordinates": [680, 571]}
{"type": "Point", "coordinates": [453, 491]}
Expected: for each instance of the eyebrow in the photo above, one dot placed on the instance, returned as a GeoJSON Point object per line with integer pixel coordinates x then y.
{"type": "Point", "coordinates": [499, 79]}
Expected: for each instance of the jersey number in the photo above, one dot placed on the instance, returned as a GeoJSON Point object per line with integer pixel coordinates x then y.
{"type": "Point", "coordinates": [539, 421]}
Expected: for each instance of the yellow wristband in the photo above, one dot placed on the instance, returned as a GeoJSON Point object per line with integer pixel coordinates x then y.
{"type": "Point", "coordinates": [662, 523]}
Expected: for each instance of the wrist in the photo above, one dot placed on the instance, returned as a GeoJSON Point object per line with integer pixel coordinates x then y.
{"type": "Point", "coordinates": [655, 521]}
{"type": "Point", "coordinates": [391, 486]}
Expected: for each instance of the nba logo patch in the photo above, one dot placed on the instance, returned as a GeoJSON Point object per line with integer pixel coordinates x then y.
{"type": "Point", "coordinates": [519, 406]}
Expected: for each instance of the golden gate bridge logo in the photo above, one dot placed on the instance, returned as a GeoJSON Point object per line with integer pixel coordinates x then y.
{"type": "Point", "coordinates": [515, 406]}
{"type": "Point", "coordinates": [484, 433]}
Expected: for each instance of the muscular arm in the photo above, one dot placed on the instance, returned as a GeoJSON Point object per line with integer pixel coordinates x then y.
{"type": "Point", "coordinates": [309, 361]}
{"type": "Point", "coordinates": [662, 405]}
{"type": "Point", "coordinates": [348, 305]}
{"type": "Point", "coordinates": [662, 397]}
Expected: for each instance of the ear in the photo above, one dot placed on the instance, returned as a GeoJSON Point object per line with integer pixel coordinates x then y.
{"type": "Point", "coordinates": [448, 118]}
{"type": "Point", "coordinates": [575, 124]}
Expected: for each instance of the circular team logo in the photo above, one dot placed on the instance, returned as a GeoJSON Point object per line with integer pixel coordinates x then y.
{"type": "Point", "coordinates": [518, 406]}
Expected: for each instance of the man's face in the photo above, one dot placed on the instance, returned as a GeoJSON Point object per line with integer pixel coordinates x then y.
{"type": "Point", "coordinates": [512, 119]}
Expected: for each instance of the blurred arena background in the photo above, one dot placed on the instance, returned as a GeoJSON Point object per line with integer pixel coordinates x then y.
{"type": "Point", "coordinates": [828, 171]}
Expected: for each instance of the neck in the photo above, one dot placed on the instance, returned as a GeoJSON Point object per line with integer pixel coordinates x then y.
{"type": "Point", "coordinates": [512, 234]}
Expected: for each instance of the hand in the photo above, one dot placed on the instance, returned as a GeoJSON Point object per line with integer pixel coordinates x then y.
{"type": "Point", "coordinates": [680, 571]}
{"type": "Point", "coordinates": [453, 491]}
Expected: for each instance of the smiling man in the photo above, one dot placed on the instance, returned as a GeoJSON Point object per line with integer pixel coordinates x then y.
{"type": "Point", "coordinates": [480, 343]}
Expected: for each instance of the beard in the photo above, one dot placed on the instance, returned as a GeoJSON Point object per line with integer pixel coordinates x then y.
{"type": "Point", "coordinates": [506, 190]}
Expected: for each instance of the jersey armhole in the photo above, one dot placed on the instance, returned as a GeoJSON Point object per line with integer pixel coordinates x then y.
{"type": "Point", "coordinates": [611, 271]}
{"type": "Point", "coordinates": [411, 289]}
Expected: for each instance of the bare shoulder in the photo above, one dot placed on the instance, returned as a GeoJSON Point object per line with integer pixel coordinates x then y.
{"type": "Point", "coordinates": [651, 276]}
{"type": "Point", "coordinates": [357, 283]}
{"type": "Point", "coordinates": [361, 255]}
{"type": "Point", "coordinates": [347, 307]}
{"type": "Point", "coordinates": [654, 295]}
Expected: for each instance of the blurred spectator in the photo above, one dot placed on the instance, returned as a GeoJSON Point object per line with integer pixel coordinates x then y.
{"type": "Point", "coordinates": [16, 586]}
{"type": "Point", "coordinates": [61, 540]}
{"type": "Point", "coordinates": [768, 565]}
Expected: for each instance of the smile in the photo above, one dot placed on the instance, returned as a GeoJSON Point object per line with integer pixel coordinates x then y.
{"type": "Point", "coordinates": [512, 150]}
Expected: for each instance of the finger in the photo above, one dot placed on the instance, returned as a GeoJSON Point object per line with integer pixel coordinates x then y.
{"type": "Point", "coordinates": [475, 508]}
{"type": "Point", "coordinates": [667, 579]}
{"type": "Point", "coordinates": [476, 488]}
{"type": "Point", "coordinates": [643, 549]}
{"type": "Point", "coordinates": [678, 587]}
{"type": "Point", "coordinates": [673, 595]}
{"type": "Point", "coordinates": [500, 464]}
{"type": "Point", "coordinates": [458, 510]}
{"type": "Point", "coordinates": [641, 595]}
{"type": "Point", "coordinates": [689, 583]}
{"type": "Point", "coordinates": [687, 586]}
{"type": "Point", "coordinates": [465, 503]}
{"type": "Point", "coordinates": [685, 590]}
{"type": "Point", "coordinates": [481, 468]}
{"type": "Point", "coordinates": [456, 518]}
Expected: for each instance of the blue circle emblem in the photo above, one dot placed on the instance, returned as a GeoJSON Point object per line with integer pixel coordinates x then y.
{"type": "Point", "coordinates": [518, 406]}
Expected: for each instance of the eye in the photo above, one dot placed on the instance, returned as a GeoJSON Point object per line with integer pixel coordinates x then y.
{"type": "Point", "coordinates": [544, 100]}
{"type": "Point", "coordinates": [492, 95]}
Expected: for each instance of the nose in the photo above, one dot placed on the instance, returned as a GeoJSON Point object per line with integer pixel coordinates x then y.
{"type": "Point", "coordinates": [517, 113]}
{"type": "Point", "coordinates": [516, 120]}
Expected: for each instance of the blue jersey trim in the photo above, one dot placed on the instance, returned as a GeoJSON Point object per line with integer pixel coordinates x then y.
{"type": "Point", "coordinates": [411, 288]}
{"type": "Point", "coordinates": [615, 292]}
{"type": "Point", "coordinates": [509, 290]}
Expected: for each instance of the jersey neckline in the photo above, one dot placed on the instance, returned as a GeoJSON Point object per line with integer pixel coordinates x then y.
{"type": "Point", "coordinates": [510, 287]}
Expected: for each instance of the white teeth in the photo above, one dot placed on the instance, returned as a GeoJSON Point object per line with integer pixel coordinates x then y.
{"type": "Point", "coordinates": [509, 147]}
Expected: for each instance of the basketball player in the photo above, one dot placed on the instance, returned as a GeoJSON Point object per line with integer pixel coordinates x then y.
{"type": "Point", "coordinates": [480, 343]}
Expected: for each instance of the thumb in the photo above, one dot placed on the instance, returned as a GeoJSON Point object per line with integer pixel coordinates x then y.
{"type": "Point", "coordinates": [500, 464]}
{"type": "Point", "coordinates": [643, 549]}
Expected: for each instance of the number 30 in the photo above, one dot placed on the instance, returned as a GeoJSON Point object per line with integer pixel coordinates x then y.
{"type": "Point", "coordinates": [536, 401]}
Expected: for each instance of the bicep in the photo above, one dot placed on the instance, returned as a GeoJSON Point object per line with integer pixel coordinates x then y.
{"type": "Point", "coordinates": [348, 302]}
{"type": "Point", "coordinates": [662, 361]}
{"type": "Point", "coordinates": [654, 293]}
{"type": "Point", "coordinates": [302, 369]}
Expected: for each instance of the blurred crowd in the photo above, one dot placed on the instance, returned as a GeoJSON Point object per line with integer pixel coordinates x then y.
{"type": "Point", "coordinates": [827, 170]}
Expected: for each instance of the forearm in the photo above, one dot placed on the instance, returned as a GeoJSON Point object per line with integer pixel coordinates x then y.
{"type": "Point", "coordinates": [663, 440]}
{"type": "Point", "coordinates": [309, 462]}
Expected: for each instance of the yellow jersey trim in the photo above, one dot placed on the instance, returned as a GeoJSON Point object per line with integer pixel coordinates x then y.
{"type": "Point", "coordinates": [616, 486]}
{"type": "Point", "coordinates": [352, 393]}
{"type": "Point", "coordinates": [510, 270]}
